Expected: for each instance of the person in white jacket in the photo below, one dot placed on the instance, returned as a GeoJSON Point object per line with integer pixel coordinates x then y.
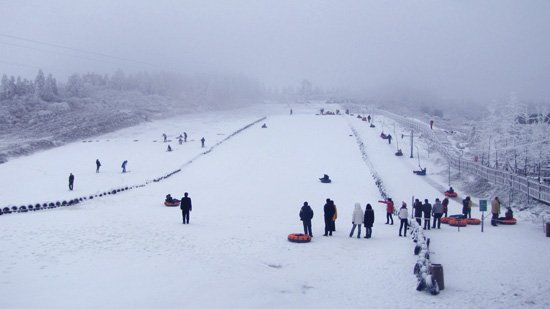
{"type": "Point", "coordinates": [357, 220]}
{"type": "Point", "coordinates": [403, 215]}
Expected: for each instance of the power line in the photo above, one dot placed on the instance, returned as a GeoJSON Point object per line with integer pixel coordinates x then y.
{"type": "Point", "coordinates": [79, 50]}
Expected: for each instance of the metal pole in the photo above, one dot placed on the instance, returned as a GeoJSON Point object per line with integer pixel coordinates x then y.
{"type": "Point", "coordinates": [482, 220]}
{"type": "Point", "coordinates": [449, 173]}
{"type": "Point", "coordinates": [412, 132]}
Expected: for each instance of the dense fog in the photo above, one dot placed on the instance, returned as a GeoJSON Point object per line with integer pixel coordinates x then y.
{"type": "Point", "coordinates": [436, 51]}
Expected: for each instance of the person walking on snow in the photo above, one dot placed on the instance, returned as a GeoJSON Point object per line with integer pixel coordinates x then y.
{"type": "Point", "coordinates": [418, 211]}
{"type": "Point", "coordinates": [427, 209]}
{"type": "Point", "coordinates": [97, 165]}
{"type": "Point", "coordinates": [329, 211]}
{"type": "Point", "coordinates": [467, 207]}
{"type": "Point", "coordinates": [306, 214]}
{"type": "Point", "coordinates": [368, 221]}
{"type": "Point", "coordinates": [202, 142]}
{"type": "Point", "coordinates": [495, 210]}
{"type": "Point", "coordinates": [185, 207]}
{"type": "Point", "coordinates": [368, 118]}
{"type": "Point", "coordinates": [165, 137]}
{"type": "Point", "coordinates": [431, 124]}
{"type": "Point", "coordinates": [389, 138]}
{"type": "Point", "coordinates": [403, 215]}
{"type": "Point", "coordinates": [185, 137]}
{"type": "Point", "coordinates": [389, 210]}
{"type": "Point", "coordinates": [445, 204]}
{"type": "Point", "coordinates": [124, 166]}
{"type": "Point", "coordinates": [437, 212]}
{"type": "Point", "coordinates": [71, 181]}
{"type": "Point", "coordinates": [357, 219]}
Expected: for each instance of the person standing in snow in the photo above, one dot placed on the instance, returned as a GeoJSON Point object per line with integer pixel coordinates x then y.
{"type": "Point", "coordinates": [186, 207]}
{"type": "Point", "coordinates": [403, 216]}
{"type": "Point", "coordinates": [437, 212]}
{"type": "Point", "coordinates": [418, 211]}
{"type": "Point", "coordinates": [329, 211]}
{"type": "Point", "coordinates": [389, 138]}
{"type": "Point", "coordinates": [467, 207]}
{"type": "Point", "coordinates": [368, 118]}
{"type": "Point", "coordinates": [97, 165]}
{"type": "Point", "coordinates": [431, 124]}
{"type": "Point", "coordinates": [495, 210]}
{"type": "Point", "coordinates": [202, 142]}
{"type": "Point", "coordinates": [124, 166]}
{"type": "Point", "coordinates": [389, 210]}
{"type": "Point", "coordinates": [306, 214]}
{"type": "Point", "coordinates": [445, 204]}
{"type": "Point", "coordinates": [427, 209]}
{"type": "Point", "coordinates": [165, 137]}
{"type": "Point", "coordinates": [368, 220]}
{"type": "Point", "coordinates": [185, 137]}
{"type": "Point", "coordinates": [71, 181]}
{"type": "Point", "coordinates": [357, 220]}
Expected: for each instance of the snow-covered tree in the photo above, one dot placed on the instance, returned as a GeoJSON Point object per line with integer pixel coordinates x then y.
{"type": "Point", "coordinates": [75, 86]}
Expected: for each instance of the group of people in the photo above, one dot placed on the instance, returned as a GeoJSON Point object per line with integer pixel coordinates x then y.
{"type": "Point", "coordinates": [181, 139]}
{"type": "Point", "coordinates": [97, 166]}
{"type": "Point", "coordinates": [425, 211]}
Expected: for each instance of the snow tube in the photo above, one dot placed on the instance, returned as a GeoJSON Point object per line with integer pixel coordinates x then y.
{"type": "Point", "coordinates": [473, 221]}
{"type": "Point", "coordinates": [445, 220]}
{"type": "Point", "coordinates": [458, 222]}
{"type": "Point", "coordinates": [507, 221]}
{"type": "Point", "coordinates": [299, 238]}
{"type": "Point", "coordinates": [456, 216]}
{"type": "Point", "coordinates": [174, 203]}
{"type": "Point", "coordinates": [325, 180]}
{"type": "Point", "coordinates": [451, 194]}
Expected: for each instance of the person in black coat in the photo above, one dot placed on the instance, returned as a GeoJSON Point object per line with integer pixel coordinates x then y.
{"type": "Point", "coordinates": [306, 214]}
{"type": "Point", "coordinates": [329, 211]}
{"type": "Point", "coordinates": [368, 220]}
{"type": "Point", "coordinates": [418, 211]}
{"type": "Point", "coordinates": [185, 207]}
{"type": "Point", "coordinates": [427, 209]}
{"type": "Point", "coordinates": [97, 165]}
{"type": "Point", "coordinates": [71, 181]}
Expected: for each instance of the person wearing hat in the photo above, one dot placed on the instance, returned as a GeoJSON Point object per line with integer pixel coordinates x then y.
{"type": "Point", "coordinates": [306, 214]}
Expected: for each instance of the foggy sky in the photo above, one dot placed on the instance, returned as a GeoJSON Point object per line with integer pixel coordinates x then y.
{"type": "Point", "coordinates": [449, 49]}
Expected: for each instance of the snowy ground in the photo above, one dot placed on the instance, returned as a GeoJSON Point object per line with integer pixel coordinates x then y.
{"type": "Point", "coordinates": [129, 251]}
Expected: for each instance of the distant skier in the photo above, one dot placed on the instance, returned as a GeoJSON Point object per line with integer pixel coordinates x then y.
{"type": "Point", "coordinates": [357, 219]}
{"type": "Point", "coordinates": [368, 220]}
{"type": "Point", "coordinates": [185, 207]}
{"type": "Point", "coordinates": [185, 137]}
{"type": "Point", "coordinates": [306, 214]}
{"type": "Point", "coordinates": [165, 137]}
{"type": "Point", "coordinates": [71, 181]}
{"type": "Point", "coordinates": [202, 142]}
{"type": "Point", "coordinates": [97, 165]}
{"type": "Point", "coordinates": [389, 138]}
{"type": "Point", "coordinates": [368, 118]}
{"type": "Point", "coordinates": [169, 148]}
{"type": "Point", "coordinates": [124, 166]}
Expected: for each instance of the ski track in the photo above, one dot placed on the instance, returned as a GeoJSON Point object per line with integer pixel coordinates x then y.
{"type": "Point", "coordinates": [127, 250]}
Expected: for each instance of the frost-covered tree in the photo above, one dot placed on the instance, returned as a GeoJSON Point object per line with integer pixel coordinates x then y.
{"type": "Point", "coordinates": [7, 88]}
{"type": "Point", "coordinates": [75, 86]}
{"type": "Point", "coordinates": [39, 84]}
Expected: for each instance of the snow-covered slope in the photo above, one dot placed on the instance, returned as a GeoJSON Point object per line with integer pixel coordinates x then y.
{"type": "Point", "coordinates": [130, 251]}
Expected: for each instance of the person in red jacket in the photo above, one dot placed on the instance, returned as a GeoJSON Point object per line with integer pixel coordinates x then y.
{"type": "Point", "coordinates": [389, 210]}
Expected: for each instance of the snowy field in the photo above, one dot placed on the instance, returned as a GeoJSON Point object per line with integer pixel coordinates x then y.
{"type": "Point", "coordinates": [130, 251]}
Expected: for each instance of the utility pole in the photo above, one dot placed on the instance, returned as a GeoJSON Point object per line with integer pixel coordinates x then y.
{"type": "Point", "coordinates": [412, 138]}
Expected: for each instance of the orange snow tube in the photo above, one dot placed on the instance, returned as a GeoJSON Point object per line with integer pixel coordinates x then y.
{"type": "Point", "coordinates": [445, 220]}
{"type": "Point", "coordinates": [450, 194]}
{"type": "Point", "coordinates": [473, 221]}
{"type": "Point", "coordinates": [174, 203]}
{"type": "Point", "coordinates": [507, 221]}
{"type": "Point", "coordinates": [299, 238]}
{"type": "Point", "coordinates": [458, 222]}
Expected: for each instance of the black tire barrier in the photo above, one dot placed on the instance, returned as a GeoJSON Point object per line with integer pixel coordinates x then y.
{"type": "Point", "coordinates": [6, 210]}
{"type": "Point", "coordinates": [70, 203]}
{"type": "Point", "coordinates": [113, 192]}
{"type": "Point", "coordinates": [51, 204]}
{"type": "Point", "coordinates": [57, 204]}
{"type": "Point", "coordinates": [37, 206]}
{"type": "Point", "coordinates": [80, 199]}
{"type": "Point", "coordinates": [64, 203]}
{"type": "Point", "coordinates": [23, 209]}
{"type": "Point", "coordinates": [30, 207]}
{"type": "Point", "coordinates": [101, 195]}
{"type": "Point", "coordinates": [45, 205]}
{"type": "Point", "coordinates": [76, 201]}
{"type": "Point", "coordinates": [14, 208]}
{"type": "Point", "coordinates": [91, 197]}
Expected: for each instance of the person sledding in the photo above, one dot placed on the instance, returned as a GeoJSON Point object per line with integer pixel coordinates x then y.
{"type": "Point", "coordinates": [325, 179]}
{"type": "Point", "coordinates": [389, 210]}
{"type": "Point", "coordinates": [169, 198]}
{"type": "Point", "coordinates": [421, 172]}
{"type": "Point", "coordinates": [264, 126]}
{"type": "Point", "coordinates": [399, 153]}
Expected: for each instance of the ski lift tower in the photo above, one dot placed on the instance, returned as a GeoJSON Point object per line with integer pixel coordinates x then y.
{"type": "Point", "coordinates": [412, 139]}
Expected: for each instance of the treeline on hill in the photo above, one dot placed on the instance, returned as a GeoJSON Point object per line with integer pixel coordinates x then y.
{"type": "Point", "coordinates": [41, 113]}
